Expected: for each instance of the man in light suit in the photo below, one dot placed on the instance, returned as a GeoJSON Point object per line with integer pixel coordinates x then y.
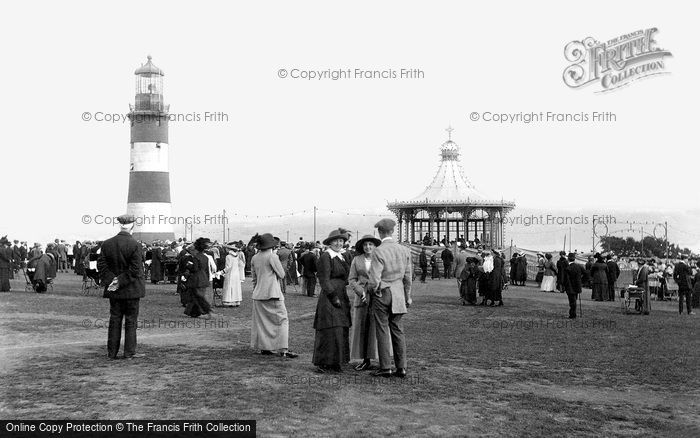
{"type": "Point", "coordinates": [390, 278]}
{"type": "Point", "coordinates": [683, 276]}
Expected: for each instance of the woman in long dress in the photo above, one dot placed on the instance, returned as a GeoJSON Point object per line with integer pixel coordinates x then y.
{"type": "Point", "coordinates": [197, 279]}
{"type": "Point", "coordinates": [468, 281]}
{"type": "Point", "coordinates": [157, 263]}
{"type": "Point", "coordinates": [332, 320]}
{"type": "Point", "coordinates": [522, 269]}
{"type": "Point", "coordinates": [363, 338]}
{"type": "Point", "coordinates": [599, 279]}
{"type": "Point", "coordinates": [269, 332]}
{"type": "Point", "coordinates": [485, 279]}
{"type": "Point", "coordinates": [234, 272]}
{"type": "Point", "coordinates": [549, 280]}
{"type": "Point", "coordinates": [5, 264]}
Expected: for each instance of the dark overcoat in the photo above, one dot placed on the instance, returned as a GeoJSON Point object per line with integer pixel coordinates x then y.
{"type": "Point", "coordinates": [120, 257]}
{"type": "Point", "coordinates": [333, 278]}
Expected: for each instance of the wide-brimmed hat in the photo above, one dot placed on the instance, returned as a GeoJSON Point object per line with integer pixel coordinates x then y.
{"type": "Point", "coordinates": [335, 234]}
{"type": "Point", "coordinates": [359, 245]}
{"type": "Point", "coordinates": [232, 246]}
{"type": "Point", "coordinates": [4, 241]}
{"type": "Point", "coordinates": [201, 243]}
{"type": "Point", "coordinates": [266, 241]}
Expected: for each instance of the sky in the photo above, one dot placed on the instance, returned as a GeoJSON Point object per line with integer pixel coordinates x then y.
{"type": "Point", "coordinates": [288, 144]}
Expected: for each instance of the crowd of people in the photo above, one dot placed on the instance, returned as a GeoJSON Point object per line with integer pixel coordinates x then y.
{"type": "Point", "coordinates": [378, 271]}
{"type": "Point", "coordinates": [41, 266]}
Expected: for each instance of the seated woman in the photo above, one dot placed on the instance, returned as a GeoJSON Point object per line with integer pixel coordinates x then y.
{"type": "Point", "coordinates": [363, 337]}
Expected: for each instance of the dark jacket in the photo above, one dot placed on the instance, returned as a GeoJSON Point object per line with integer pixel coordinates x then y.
{"type": "Point", "coordinates": [5, 257]}
{"type": "Point", "coordinates": [683, 276]}
{"type": "Point", "coordinates": [423, 260]}
{"type": "Point", "coordinates": [308, 262]}
{"type": "Point", "coordinates": [573, 278]}
{"type": "Point", "coordinates": [599, 273]}
{"type": "Point", "coordinates": [696, 283]}
{"type": "Point", "coordinates": [120, 257]}
{"type": "Point", "coordinates": [613, 271]}
{"type": "Point", "coordinates": [195, 267]}
{"type": "Point", "coordinates": [333, 277]}
{"type": "Point", "coordinates": [447, 256]}
{"type": "Point", "coordinates": [562, 264]}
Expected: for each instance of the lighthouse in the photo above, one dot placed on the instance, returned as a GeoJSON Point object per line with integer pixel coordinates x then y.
{"type": "Point", "coordinates": [149, 174]}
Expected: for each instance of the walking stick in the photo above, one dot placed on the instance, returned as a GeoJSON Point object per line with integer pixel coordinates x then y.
{"type": "Point", "coordinates": [580, 306]}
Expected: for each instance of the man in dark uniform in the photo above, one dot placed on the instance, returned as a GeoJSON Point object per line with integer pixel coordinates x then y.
{"type": "Point", "coordinates": [423, 263]}
{"type": "Point", "coordinates": [562, 264]}
{"type": "Point", "coordinates": [308, 263]}
{"type": "Point", "coordinates": [23, 252]}
{"type": "Point", "coordinates": [16, 256]}
{"type": "Point", "coordinates": [434, 266]}
{"type": "Point", "coordinates": [121, 269]}
{"type": "Point", "coordinates": [573, 283]}
{"type": "Point", "coordinates": [613, 274]}
{"type": "Point", "coordinates": [684, 278]}
{"type": "Point", "coordinates": [447, 259]}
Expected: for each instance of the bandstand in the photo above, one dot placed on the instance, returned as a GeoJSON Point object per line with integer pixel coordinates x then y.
{"type": "Point", "coordinates": [451, 208]}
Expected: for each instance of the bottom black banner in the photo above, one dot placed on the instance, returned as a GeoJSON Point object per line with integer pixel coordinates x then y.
{"type": "Point", "coordinates": [117, 428]}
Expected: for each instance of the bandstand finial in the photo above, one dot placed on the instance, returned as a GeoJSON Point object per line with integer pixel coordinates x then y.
{"type": "Point", "coordinates": [449, 132]}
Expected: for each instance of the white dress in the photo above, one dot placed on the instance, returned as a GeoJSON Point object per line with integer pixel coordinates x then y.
{"type": "Point", "coordinates": [235, 275]}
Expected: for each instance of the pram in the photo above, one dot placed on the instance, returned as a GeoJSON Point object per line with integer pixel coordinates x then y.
{"type": "Point", "coordinates": [170, 266]}
{"type": "Point", "coordinates": [36, 286]}
{"type": "Point", "coordinates": [632, 297]}
{"type": "Point", "coordinates": [91, 278]}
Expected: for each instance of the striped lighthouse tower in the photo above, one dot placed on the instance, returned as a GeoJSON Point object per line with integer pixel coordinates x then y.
{"type": "Point", "coordinates": [149, 177]}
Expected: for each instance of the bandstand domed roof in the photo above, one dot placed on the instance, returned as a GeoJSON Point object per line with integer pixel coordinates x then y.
{"type": "Point", "coordinates": [450, 186]}
{"type": "Point", "coordinates": [148, 69]}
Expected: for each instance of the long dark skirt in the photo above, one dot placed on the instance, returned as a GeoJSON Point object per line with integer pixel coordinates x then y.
{"type": "Point", "coordinates": [467, 290]}
{"type": "Point", "coordinates": [600, 292]}
{"type": "Point", "coordinates": [185, 296]}
{"type": "Point", "coordinates": [156, 271]}
{"type": "Point", "coordinates": [198, 304]}
{"type": "Point", "coordinates": [496, 292]}
{"type": "Point", "coordinates": [332, 346]}
{"type": "Point", "coordinates": [5, 275]}
{"type": "Point", "coordinates": [484, 287]}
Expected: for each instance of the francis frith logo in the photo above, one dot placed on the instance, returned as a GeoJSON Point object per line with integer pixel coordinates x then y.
{"type": "Point", "coordinates": [614, 63]}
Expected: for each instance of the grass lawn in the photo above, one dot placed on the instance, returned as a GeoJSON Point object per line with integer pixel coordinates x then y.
{"type": "Point", "coordinates": [519, 370]}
